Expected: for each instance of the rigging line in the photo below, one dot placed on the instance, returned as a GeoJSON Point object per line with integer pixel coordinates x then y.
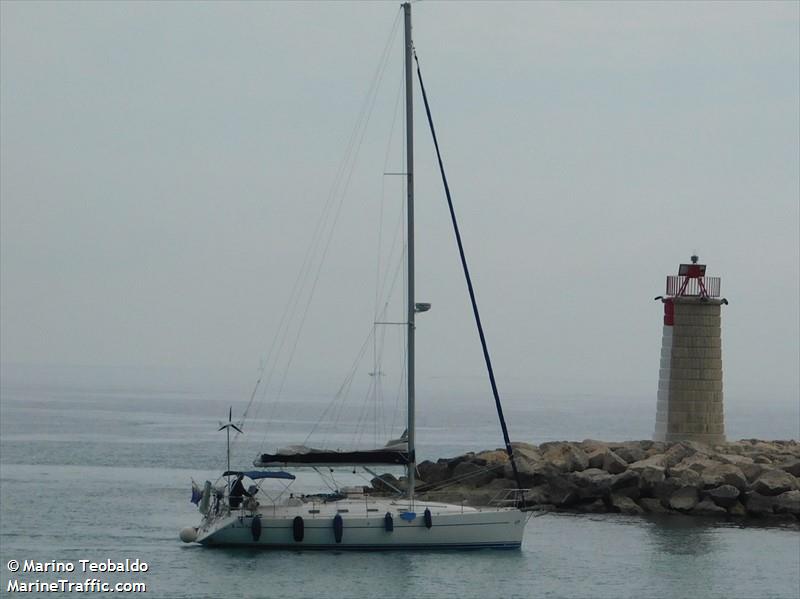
{"type": "Point", "coordinates": [376, 359]}
{"type": "Point", "coordinates": [305, 269]}
{"type": "Point", "coordinates": [333, 226]}
{"type": "Point", "coordinates": [342, 387]}
{"type": "Point", "coordinates": [351, 155]}
{"type": "Point", "coordinates": [509, 448]}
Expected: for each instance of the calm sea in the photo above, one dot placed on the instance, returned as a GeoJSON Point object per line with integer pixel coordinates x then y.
{"type": "Point", "coordinates": [105, 474]}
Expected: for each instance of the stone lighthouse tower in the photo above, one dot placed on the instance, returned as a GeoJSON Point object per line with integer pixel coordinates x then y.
{"type": "Point", "coordinates": [690, 380]}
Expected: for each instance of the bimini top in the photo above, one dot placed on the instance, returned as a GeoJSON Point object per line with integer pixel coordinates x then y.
{"type": "Point", "coordinates": [257, 474]}
{"type": "Point", "coordinates": [300, 455]}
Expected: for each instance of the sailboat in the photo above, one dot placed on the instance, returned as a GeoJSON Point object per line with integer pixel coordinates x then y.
{"type": "Point", "coordinates": [352, 519]}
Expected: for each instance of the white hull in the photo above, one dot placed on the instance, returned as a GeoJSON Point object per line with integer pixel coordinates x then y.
{"type": "Point", "coordinates": [363, 526]}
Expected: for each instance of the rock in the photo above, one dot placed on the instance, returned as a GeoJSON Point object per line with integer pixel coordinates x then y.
{"type": "Point", "coordinates": [688, 478]}
{"type": "Point", "coordinates": [596, 457]}
{"type": "Point", "coordinates": [792, 466]}
{"type": "Point", "coordinates": [613, 464]}
{"type": "Point", "coordinates": [649, 479]}
{"type": "Point", "coordinates": [656, 461]}
{"type": "Point", "coordinates": [497, 457]}
{"type": "Point", "coordinates": [696, 462]}
{"type": "Point", "coordinates": [592, 445]}
{"type": "Point", "coordinates": [709, 508]}
{"type": "Point", "coordinates": [565, 456]}
{"type": "Point", "coordinates": [433, 473]}
{"type": "Point", "coordinates": [629, 452]}
{"type": "Point", "coordinates": [759, 505]}
{"type": "Point", "coordinates": [735, 459]}
{"type": "Point", "coordinates": [626, 483]}
{"type": "Point", "coordinates": [775, 482]}
{"type": "Point", "coordinates": [737, 510]}
{"type": "Point", "coordinates": [656, 448]}
{"type": "Point", "coordinates": [762, 459]}
{"type": "Point", "coordinates": [753, 471]}
{"type": "Point", "coordinates": [526, 450]}
{"type": "Point", "coordinates": [788, 503]}
{"type": "Point", "coordinates": [680, 451]}
{"type": "Point", "coordinates": [683, 499]}
{"type": "Point", "coordinates": [723, 474]}
{"type": "Point", "coordinates": [537, 496]}
{"type": "Point", "coordinates": [562, 492]}
{"type": "Point", "coordinates": [597, 506]}
{"type": "Point", "coordinates": [470, 474]}
{"type": "Point", "coordinates": [625, 505]}
{"type": "Point", "coordinates": [386, 482]}
{"type": "Point", "coordinates": [664, 490]}
{"type": "Point", "coordinates": [724, 495]}
{"type": "Point", "coordinates": [652, 506]}
{"type": "Point", "coordinates": [592, 483]}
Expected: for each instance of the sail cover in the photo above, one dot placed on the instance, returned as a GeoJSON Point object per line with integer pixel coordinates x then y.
{"type": "Point", "coordinates": [300, 455]}
{"type": "Point", "coordinates": [256, 474]}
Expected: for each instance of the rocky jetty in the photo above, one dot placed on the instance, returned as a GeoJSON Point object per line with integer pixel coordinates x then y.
{"type": "Point", "coordinates": [743, 479]}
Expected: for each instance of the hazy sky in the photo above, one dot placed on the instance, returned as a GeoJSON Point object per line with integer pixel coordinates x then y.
{"type": "Point", "coordinates": [164, 165]}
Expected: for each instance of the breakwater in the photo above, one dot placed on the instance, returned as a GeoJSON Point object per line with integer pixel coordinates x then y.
{"type": "Point", "coordinates": [743, 479]}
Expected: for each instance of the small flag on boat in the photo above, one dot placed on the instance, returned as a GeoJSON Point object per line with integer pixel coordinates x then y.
{"type": "Point", "coordinates": [197, 494]}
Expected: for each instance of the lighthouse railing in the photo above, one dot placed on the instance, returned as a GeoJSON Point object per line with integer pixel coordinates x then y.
{"type": "Point", "coordinates": [693, 286]}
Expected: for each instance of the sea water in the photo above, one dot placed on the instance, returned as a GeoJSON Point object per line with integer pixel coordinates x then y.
{"type": "Point", "coordinates": [104, 476]}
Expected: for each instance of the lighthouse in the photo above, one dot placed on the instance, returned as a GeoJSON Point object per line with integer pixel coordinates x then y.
{"type": "Point", "coordinates": [689, 406]}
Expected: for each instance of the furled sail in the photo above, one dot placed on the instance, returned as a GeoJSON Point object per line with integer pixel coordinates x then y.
{"type": "Point", "coordinates": [395, 453]}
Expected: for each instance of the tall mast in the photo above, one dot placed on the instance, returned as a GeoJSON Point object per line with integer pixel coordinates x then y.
{"type": "Point", "coordinates": [412, 465]}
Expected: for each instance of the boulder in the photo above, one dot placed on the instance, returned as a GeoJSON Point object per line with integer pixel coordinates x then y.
{"type": "Point", "coordinates": [697, 462]}
{"type": "Point", "coordinates": [630, 452]}
{"type": "Point", "coordinates": [708, 508]}
{"type": "Point", "coordinates": [562, 492]}
{"type": "Point", "coordinates": [623, 481]}
{"type": "Point", "coordinates": [656, 461]}
{"type": "Point", "coordinates": [433, 472]}
{"type": "Point", "coordinates": [680, 451]}
{"type": "Point", "coordinates": [775, 482]}
{"type": "Point", "coordinates": [526, 450]}
{"type": "Point", "coordinates": [688, 478]}
{"type": "Point", "coordinates": [496, 457]}
{"type": "Point", "coordinates": [388, 483]}
{"type": "Point", "coordinates": [759, 505]}
{"type": "Point", "coordinates": [788, 503]}
{"type": "Point", "coordinates": [753, 471]}
{"type": "Point", "coordinates": [737, 510]}
{"type": "Point", "coordinates": [592, 445]}
{"type": "Point", "coordinates": [664, 490]}
{"type": "Point", "coordinates": [723, 474]}
{"type": "Point", "coordinates": [792, 466]}
{"type": "Point", "coordinates": [652, 506]}
{"type": "Point", "coordinates": [592, 483]}
{"type": "Point", "coordinates": [613, 464]}
{"type": "Point", "coordinates": [537, 495]}
{"type": "Point", "coordinates": [470, 474]}
{"type": "Point", "coordinates": [724, 495]}
{"type": "Point", "coordinates": [649, 479]}
{"type": "Point", "coordinates": [656, 448]}
{"type": "Point", "coordinates": [625, 505]}
{"type": "Point", "coordinates": [597, 506]}
{"type": "Point", "coordinates": [596, 457]}
{"type": "Point", "coordinates": [735, 459]}
{"type": "Point", "coordinates": [565, 456]}
{"type": "Point", "coordinates": [684, 499]}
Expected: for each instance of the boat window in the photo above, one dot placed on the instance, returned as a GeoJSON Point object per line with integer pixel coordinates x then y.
{"type": "Point", "coordinates": [313, 511]}
{"type": "Point", "coordinates": [343, 511]}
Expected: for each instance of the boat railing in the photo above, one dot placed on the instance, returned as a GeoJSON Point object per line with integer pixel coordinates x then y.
{"type": "Point", "coordinates": [508, 497]}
